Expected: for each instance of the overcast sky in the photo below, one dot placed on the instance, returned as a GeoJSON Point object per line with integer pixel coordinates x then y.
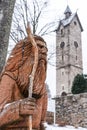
{"type": "Point", "coordinates": [57, 8]}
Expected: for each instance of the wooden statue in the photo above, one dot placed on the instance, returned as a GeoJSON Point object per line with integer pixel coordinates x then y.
{"type": "Point", "coordinates": [15, 105]}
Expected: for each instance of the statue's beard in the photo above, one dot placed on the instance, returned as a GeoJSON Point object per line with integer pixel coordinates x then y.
{"type": "Point", "coordinates": [42, 56]}
{"type": "Point", "coordinates": [39, 79]}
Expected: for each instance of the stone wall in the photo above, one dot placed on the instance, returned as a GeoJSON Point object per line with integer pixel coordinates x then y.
{"type": "Point", "coordinates": [50, 117]}
{"type": "Point", "coordinates": [72, 110]}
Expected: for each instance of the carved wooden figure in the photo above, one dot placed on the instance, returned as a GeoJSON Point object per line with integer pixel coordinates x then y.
{"type": "Point", "coordinates": [15, 106]}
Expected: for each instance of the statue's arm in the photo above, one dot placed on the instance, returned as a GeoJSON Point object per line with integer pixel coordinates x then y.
{"type": "Point", "coordinates": [8, 111]}
{"type": "Point", "coordinates": [16, 111]}
{"type": "Point", "coordinates": [9, 114]}
{"type": "Point", "coordinates": [12, 111]}
{"type": "Point", "coordinates": [44, 108]}
{"type": "Point", "coordinates": [44, 103]}
{"type": "Point", "coordinates": [44, 111]}
{"type": "Point", "coordinates": [39, 116]}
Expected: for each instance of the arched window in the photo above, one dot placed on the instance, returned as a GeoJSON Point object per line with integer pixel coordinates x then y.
{"type": "Point", "coordinates": [62, 45]}
{"type": "Point", "coordinates": [63, 94]}
{"type": "Point", "coordinates": [75, 44]}
{"type": "Point", "coordinates": [75, 23]}
{"type": "Point", "coordinates": [62, 87]}
{"type": "Point", "coordinates": [62, 32]}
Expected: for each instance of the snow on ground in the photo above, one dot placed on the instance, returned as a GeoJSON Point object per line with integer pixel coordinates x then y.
{"type": "Point", "coordinates": [55, 127]}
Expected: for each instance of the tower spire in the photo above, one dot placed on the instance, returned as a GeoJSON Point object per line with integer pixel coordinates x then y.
{"type": "Point", "coordinates": [67, 12]}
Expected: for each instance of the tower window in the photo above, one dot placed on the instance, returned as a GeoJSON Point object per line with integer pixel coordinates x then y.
{"type": "Point", "coordinates": [62, 73]}
{"type": "Point", "coordinates": [69, 82]}
{"type": "Point", "coordinates": [62, 45]}
{"type": "Point", "coordinates": [68, 31]}
{"type": "Point", "coordinates": [62, 32]}
{"type": "Point", "coordinates": [62, 87]}
{"type": "Point", "coordinates": [75, 23]}
{"type": "Point", "coordinates": [62, 57]}
{"type": "Point", "coordinates": [76, 57]}
{"type": "Point", "coordinates": [64, 94]}
{"type": "Point", "coordinates": [75, 44]}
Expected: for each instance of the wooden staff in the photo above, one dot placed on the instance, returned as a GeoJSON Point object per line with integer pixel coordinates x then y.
{"type": "Point", "coordinates": [31, 77]}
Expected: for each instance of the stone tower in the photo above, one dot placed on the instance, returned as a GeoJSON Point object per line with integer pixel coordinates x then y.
{"type": "Point", "coordinates": [68, 51]}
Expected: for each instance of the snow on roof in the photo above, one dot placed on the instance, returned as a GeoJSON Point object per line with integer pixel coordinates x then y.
{"type": "Point", "coordinates": [67, 21]}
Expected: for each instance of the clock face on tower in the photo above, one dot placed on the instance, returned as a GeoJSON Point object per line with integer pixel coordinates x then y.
{"type": "Point", "coordinates": [62, 45]}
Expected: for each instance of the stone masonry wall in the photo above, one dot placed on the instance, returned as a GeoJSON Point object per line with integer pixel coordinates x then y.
{"type": "Point", "coordinates": [50, 117]}
{"type": "Point", "coordinates": [72, 110]}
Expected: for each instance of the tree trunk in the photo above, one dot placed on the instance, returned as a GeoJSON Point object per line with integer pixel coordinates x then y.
{"type": "Point", "coordinates": [6, 11]}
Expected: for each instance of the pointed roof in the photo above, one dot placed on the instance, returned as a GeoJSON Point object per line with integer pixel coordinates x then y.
{"type": "Point", "coordinates": [67, 21]}
{"type": "Point", "coordinates": [67, 10]}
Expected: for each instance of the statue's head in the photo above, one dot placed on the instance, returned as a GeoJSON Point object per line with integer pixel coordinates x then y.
{"type": "Point", "coordinates": [42, 47]}
{"type": "Point", "coordinates": [20, 63]}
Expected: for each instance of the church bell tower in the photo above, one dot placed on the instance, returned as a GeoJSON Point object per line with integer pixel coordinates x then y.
{"type": "Point", "coordinates": [68, 51]}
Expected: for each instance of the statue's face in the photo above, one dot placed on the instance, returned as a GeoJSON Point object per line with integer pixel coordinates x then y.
{"type": "Point", "coordinates": [40, 74]}
{"type": "Point", "coordinates": [42, 49]}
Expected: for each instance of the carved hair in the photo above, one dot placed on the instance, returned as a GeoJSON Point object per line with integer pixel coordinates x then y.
{"type": "Point", "coordinates": [20, 63]}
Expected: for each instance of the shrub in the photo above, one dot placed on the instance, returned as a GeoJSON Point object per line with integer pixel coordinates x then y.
{"type": "Point", "coordinates": [79, 84]}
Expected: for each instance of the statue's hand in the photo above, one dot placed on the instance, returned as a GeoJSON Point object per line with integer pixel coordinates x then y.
{"type": "Point", "coordinates": [27, 106]}
{"type": "Point", "coordinates": [42, 127]}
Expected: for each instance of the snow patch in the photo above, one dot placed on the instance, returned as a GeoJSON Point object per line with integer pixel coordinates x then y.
{"type": "Point", "coordinates": [56, 127]}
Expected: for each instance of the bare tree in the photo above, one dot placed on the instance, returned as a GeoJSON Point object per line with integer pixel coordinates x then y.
{"type": "Point", "coordinates": [36, 12]}
{"type": "Point", "coordinates": [48, 91]}
{"type": "Point", "coordinates": [32, 11]}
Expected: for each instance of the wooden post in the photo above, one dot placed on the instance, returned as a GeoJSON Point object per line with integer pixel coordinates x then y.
{"type": "Point", "coordinates": [31, 77]}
